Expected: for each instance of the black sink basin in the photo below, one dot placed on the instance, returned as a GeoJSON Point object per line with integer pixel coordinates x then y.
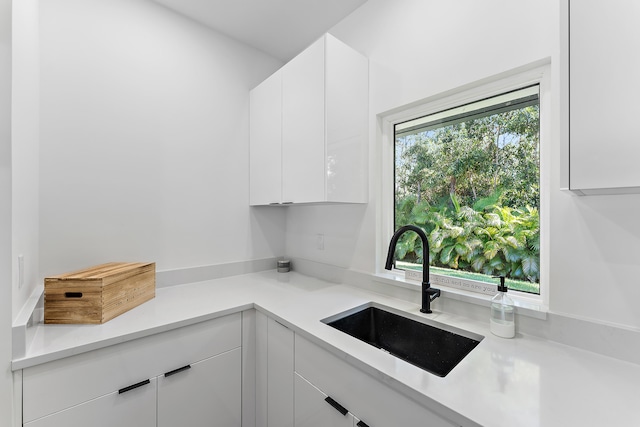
{"type": "Point", "coordinates": [431, 348]}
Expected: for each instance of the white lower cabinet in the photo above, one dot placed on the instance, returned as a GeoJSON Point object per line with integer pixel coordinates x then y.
{"type": "Point", "coordinates": [192, 376]}
{"type": "Point", "coordinates": [313, 410]}
{"type": "Point", "coordinates": [373, 402]}
{"type": "Point", "coordinates": [134, 408]}
{"type": "Point", "coordinates": [205, 393]}
{"type": "Point", "coordinates": [280, 375]}
{"type": "Point", "coordinates": [189, 376]}
{"type": "Point", "coordinates": [274, 376]}
{"type": "Point", "coordinates": [299, 383]}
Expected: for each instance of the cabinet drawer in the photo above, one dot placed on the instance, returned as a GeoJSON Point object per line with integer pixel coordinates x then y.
{"type": "Point", "coordinates": [135, 408]}
{"type": "Point", "coordinates": [206, 394]}
{"type": "Point", "coordinates": [312, 409]}
{"type": "Point", "coordinates": [367, 398]}
{"type": "Point", "coordinates": [57, 385]}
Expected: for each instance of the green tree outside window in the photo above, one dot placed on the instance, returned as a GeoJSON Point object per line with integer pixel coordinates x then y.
{"type": "Point", "coordinates": [474, 187]}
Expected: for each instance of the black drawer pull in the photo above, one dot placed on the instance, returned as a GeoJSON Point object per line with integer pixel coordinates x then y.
{"type": "Point", "coordinates": [176, 371]}
{"type": "Point", "coordinates": [338, 407]}
{"type": "Point", "coordinates": [73, 294]}
{"type": "Point", "coordinates": [131, 387]}
{"type": "Point", "coordinates": [362, 424]}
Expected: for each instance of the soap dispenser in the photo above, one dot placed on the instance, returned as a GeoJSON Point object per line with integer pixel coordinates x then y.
{"type": "Point", "coordinates": [502, 313]}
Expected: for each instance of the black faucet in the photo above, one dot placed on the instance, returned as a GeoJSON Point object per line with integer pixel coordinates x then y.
{"type": "Point", "coordinates": [428, 293]}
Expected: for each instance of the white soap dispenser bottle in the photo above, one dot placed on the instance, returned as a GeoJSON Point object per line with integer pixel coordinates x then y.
{"type": "Point", "coordinates": [502, 313]}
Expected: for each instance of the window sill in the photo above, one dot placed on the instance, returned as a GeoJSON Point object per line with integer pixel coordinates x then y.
{"type": "Point", "coordinates": [524, 306]}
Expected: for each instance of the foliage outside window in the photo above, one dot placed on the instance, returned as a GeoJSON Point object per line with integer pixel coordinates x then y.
{"type": "Point", "coordinates": [470, 177]}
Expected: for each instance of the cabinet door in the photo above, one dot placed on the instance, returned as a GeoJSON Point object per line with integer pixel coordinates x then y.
{"type": "Point", "coordinates": [279, 375]}
{"type": "Point", "coordinates": [312, 410]}
{"type": "Point", "coordinates": [206, 394]}
{"type": "Point", "coordinates": [265, 153]}
{"type": "Point", "coordinates": [303, 126]}
{"type": "Point", "coordinates": [604, 88]}
{"type": "Point", "coordinates": [54, 386]}
{"type": "Point", "coordinates": [134, 408]}
{"type": "Point", "coordinates": [369, 399]}
{"type": "Point", "coordinates": [346, 95]}
{"type": "Point", "coordinates": [262, 350]}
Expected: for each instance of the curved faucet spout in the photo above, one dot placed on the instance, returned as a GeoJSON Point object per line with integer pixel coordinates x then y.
{"type": "Point", "coordinates": [428, 293]}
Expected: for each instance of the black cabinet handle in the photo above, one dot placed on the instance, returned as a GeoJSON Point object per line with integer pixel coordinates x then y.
{"type": "Point", "coordinates": [175, 371]}
{"type": "Point", "coordinates": [73, 294]}
{"type": "Point", "coordinates": [338, 407]}
{"type": "Point", "coordinates": [131, 387]}
{"type": "Point", "coordinates": [362, 424]}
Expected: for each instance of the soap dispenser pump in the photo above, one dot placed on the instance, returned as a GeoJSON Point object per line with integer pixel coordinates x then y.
{"type": "Point", "coordinates": [502, 313]}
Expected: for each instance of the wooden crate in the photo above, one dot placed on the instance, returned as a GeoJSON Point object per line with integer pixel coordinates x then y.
{"type": "Point", "coordinates": [98, 294]}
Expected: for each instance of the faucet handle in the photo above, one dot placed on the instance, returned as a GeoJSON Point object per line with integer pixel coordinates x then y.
{"type": "Point", "coordinates": [433, 293]}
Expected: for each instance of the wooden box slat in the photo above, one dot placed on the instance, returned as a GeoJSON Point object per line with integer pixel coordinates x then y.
{"type": "Point", "coordinates": [107, 290]}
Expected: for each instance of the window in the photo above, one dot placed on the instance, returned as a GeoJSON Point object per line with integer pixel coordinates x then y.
{"type": "Point", "coordinates": [470, 177]}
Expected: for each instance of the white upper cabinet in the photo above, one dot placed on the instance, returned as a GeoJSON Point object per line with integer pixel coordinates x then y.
{"type": "Point", "coordinates": [308, 132]}
{"type": "Point", "coordinates": [265, 132]}
{"type": "Point", "coordinates": [603, 68]}
{"type": "Point", "coordinates": [303, 126]}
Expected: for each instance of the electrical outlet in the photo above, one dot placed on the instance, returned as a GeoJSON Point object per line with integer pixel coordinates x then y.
{"type": "Point", "coordinates": [320, 242]}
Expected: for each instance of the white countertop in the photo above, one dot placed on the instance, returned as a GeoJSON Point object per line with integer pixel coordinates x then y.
{"type": "Point", "coordinates": [525, 381]}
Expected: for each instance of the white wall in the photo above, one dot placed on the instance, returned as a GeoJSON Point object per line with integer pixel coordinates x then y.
{"type": "Point", "coordinates": [144, 140]}
{"type": "Point", "coordinates": [6, 393]}
{"type": "Point", "coordinates": [25, 128]}
{"type": "Point", "coordinates": [417, 49]}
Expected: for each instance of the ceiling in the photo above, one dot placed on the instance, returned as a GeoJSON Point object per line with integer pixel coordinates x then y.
{"type": "Point", "coordinates": [281, 28]}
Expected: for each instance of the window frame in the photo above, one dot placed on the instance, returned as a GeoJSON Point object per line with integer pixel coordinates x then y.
{"type": "Point", "coordinates": [538, 73]}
